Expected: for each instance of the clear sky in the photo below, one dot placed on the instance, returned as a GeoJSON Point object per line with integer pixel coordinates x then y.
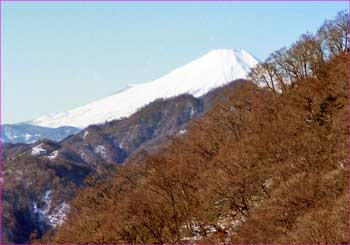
{"type": "Point", "coordinates": [59, 55]}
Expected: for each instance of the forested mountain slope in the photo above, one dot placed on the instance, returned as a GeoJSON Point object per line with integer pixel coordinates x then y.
{"type": "Point", "coordinates": [264, 165]}
{"type": "Point", "coordinates": [258, 168]}
{"type": "Point", "coordinates": [41, 178]}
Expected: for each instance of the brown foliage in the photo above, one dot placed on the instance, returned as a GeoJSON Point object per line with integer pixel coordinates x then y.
{"type": "Point", "coordinates": [260, 167]}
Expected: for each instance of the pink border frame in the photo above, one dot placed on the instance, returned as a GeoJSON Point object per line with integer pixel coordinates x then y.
{"type": "Point", "coordinates": [348, 88]}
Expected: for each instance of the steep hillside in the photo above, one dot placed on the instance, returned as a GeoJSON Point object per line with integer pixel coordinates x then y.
{"type": "Point", "coordinates": [266, 164]}
{"type": "Point", "coordinates": [36, 174]}
{"type": "Point", "coordinates": [259, 167]}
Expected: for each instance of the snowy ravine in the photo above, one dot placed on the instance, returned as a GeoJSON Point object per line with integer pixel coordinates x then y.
{"type": "Point", "coordinates": [47, 214]}
{"type": "Point", "coordinates": [210, 71]}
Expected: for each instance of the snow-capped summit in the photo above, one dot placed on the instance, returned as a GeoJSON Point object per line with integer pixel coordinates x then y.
{"type": "Point", "coordinates": [215, 69]}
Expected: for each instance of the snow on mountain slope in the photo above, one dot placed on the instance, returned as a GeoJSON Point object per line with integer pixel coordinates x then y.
{"type": "Point", "coordinates": [212, 70]}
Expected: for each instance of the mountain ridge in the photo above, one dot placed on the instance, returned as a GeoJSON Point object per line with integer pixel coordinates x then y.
{"type": "Point", "coordinates": [50, 172]}
{"type": "Point", "coordinates": [27, 133]}
{"type": "Point", "coordinates": [215, 69]}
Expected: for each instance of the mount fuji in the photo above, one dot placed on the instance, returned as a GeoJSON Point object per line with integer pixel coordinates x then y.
{"type": "Point", "coordinates": [214, 69]}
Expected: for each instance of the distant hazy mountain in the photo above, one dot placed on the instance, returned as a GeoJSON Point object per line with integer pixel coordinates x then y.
{"type": "Point", "coordinates": [27, 133]}
{"type": "Point", "coordinates": [213, 70]}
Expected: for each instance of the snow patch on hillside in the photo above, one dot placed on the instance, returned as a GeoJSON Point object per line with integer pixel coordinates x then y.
{"type": "Point", "coordinates": [53, 155]}
{"type": "Point", "coordinates": [182, 131]}
{"type": "Point", "coordinates": [101, 151]}
{"type": "Point", "coordinates": [86, 133]}
{"type": "Point", "coordinates": [38, 150]}
{"type": "Point", "coordinates": [59, 214]}
{"type": "Point", "coordinates": [50, 216]}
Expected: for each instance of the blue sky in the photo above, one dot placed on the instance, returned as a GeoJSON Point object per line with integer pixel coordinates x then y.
{"type": "Point", "coordinates": [59, 55]}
